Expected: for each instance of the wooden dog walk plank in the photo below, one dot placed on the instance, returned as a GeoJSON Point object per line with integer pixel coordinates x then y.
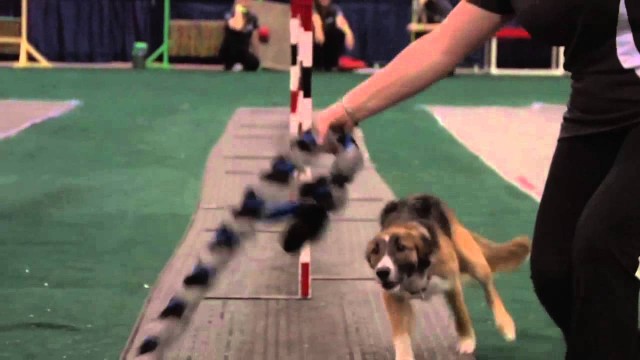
{"type": "Point", "coordinates": [269, 126]}
{"type": "Point", "coordinates": [344, 319]}
{"type": "Point", "coordinates": [253, 137]}
{"type": "Point", "coordinates": [260, 268]}
{"type": "Point", "coordinates": [343, 253]}
{"type": "Point", "coordinates": [250, 157]}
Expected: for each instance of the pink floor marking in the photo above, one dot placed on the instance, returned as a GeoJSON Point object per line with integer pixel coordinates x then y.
{"type": "Point", "coordinates": [517, 142]}
{"type": "Point", "coordinates": [18, 115]}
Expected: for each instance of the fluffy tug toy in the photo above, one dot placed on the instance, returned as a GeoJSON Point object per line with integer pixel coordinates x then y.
{"type": "Point", "coordinates": [307, 218]}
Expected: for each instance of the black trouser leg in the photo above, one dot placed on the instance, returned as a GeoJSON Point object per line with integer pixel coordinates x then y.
{"type": "Point", "coordinates": [250, 61]}
{"type": "Point", "coordinates": [327, 55]}
{"type": "Point", "coordinates": [580, 167]}
{"type": "Point", "coordinates": [231, 53]}
{"type": "Point", "coordinates": [333, 47]}
{"type": "Point", "coordinates": [229, 57]}
{"type": "Point", "coordinates": [605, 259]}
{"type": "Point", "coordinates": [318, 56]}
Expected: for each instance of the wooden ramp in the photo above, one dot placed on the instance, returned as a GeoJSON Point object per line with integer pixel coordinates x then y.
{"type": "Point", "coordinates": [344, 319]}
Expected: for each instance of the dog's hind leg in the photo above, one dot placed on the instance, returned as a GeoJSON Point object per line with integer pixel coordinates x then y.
{"type": "Point", "coordinates": [476, 265]}
{"type": "Point", "coordinates": [401, 317]}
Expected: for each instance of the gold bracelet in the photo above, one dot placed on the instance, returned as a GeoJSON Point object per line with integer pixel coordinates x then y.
{"type": "Point", "coordinates": [352, 118]}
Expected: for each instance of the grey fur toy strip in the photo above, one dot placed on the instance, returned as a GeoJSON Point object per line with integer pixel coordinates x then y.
{"type": "Point", "coordinates": [268, 200]}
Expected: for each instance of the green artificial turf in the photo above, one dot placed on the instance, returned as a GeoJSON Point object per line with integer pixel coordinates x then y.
{"type": "Point", "coordinates": [94, 203]}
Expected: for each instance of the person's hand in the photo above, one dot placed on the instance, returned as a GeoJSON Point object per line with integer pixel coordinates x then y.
{"type": "Point", "coordinates": [332, 117]}
{"type": "Point", "coordinates": [318, 37]}
{"type": "Point", "coordinates": [350, 42]}
{"type": "Point", "coordinates": [412, 27]}
{"type": "Point", "coordinates": [237, 21]}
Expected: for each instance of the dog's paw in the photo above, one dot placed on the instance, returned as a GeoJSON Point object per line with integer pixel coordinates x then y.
{"type": "Point", "coordinates": [404, 356]}
{"type": "Point", "coordinates": [507, 328]}
{"type": "Point", "coordinates": [403, 348]}
{"type": "Point", "coordinates": [467, 345]}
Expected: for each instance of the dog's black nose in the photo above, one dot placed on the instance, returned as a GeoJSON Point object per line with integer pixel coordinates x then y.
{"type": "Point", "coordinates": [383, 273]}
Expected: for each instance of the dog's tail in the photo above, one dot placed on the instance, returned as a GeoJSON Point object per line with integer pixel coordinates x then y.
{"type": "Point", "coordinates": [504, 257]}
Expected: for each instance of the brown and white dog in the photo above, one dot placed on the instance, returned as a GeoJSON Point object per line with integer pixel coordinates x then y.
{"type": "Point", "coordinates": [422, 249]}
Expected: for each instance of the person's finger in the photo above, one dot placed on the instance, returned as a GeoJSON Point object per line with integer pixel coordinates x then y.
{"type": "Point", "coordinates": [321, 128]}
{"type": "Point", "coordinates": [340, 127]}
{"type": "Point", "coordinates": [327, 125]}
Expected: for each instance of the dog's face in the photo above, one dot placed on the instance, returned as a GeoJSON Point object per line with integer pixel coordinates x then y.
{"type": "Point", "coordinates": [401, 253]}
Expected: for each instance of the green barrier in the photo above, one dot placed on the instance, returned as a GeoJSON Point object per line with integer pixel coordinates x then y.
{"type": "Point", "coordinates": [163, 50]}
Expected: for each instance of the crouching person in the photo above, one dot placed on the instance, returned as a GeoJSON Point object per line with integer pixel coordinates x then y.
{"type": "Point", "coordinates": [239, 46]}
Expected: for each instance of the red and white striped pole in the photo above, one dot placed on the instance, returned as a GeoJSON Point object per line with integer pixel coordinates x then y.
{"type": "Point", "coordinates": [294, 72]}
{"type": "Point", "coordinates": [301, 40]}
{"type": "Point", "coordinates": [301, 109]}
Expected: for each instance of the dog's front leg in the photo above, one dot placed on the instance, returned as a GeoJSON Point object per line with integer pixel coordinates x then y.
{"type": "Point", "coordinates": [400, 315]}
{"type": "Point", "coordinates": [464, 327]}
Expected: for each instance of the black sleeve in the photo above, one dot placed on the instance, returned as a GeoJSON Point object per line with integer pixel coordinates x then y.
{"type": "Point", "coordinates": [502, 7]}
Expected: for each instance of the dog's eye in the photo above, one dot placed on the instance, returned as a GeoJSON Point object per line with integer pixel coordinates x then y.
{"type": "Point", "coordinates": [400, 247]}
{"type": "Point", "coordinates": [376, 249]}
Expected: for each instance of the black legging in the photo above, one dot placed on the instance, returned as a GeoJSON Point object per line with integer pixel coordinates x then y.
{"type": "Point", "coordinates": [586, 244]}
{"type": "Point", "coordinates": [234, 50]}
{"type": "Point", "coordinates": [327, 55]}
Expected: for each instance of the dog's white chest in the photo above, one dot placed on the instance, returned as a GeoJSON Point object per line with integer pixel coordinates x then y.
{"type": "Point", "coordinates": [439, 284]}
{"type": "Point", "coordinates": [436, 285]}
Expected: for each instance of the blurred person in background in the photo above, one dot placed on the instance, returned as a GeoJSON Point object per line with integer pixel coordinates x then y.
{"type": "Point", "coordinates": [332, 35]}
{"type": "Point", "coordinates": [240, 44]}
{"type": "Point", "coordinates": [431, 12]}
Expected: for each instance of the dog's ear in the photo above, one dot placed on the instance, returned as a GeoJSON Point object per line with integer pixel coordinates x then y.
{"type": "Point", "coordinates": [367, 253]}
{"type": "Point", "coordinates": [388, 209]}
{"type": "Point", "coordinates": [429, 239]}
{"type": "Point", "coordinates": [431, 207]}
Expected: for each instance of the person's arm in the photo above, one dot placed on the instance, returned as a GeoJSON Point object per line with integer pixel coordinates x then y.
{"type": "Point", "coordinates": [255, 44]}
{"type": "Point", "coordinates": [414, 69]}
{"type": "Point", "coordinates": [255, 38]}
{"type": "Point", "coordinates": [236, 17]}
{"type": "Point", "coordinates": [422, 27]}
{"type": "Point", "coordinates": [318, 31]}
{"type": "Point", "coordinates": [235, 21]}
{"type": "Point", "coordinates": [343, 25]}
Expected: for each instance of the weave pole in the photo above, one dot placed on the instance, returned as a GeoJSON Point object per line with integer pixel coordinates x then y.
{"type": "Point", "coordinates": [301, 39]}
{"type": "Point", "coordinates": [301, 107]}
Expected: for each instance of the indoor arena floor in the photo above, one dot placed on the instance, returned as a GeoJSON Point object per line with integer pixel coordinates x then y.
{"type": "Point", "coordinates": [97, 201]}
